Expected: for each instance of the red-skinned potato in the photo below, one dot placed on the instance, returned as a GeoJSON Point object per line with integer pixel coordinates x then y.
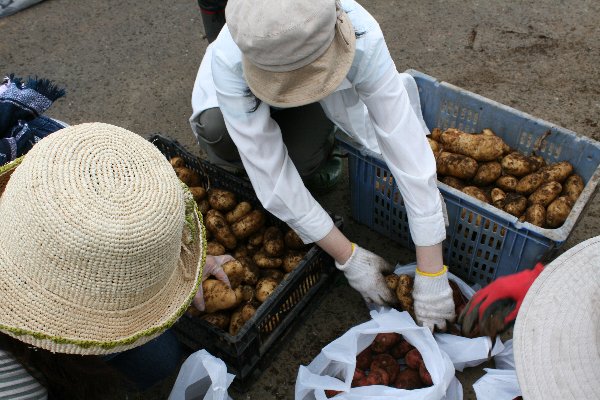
{"type": "Point", "coordinates": [387, 363]}
{"type": "Point", "coordinates": [413, 359]}
{"type": "Point", "coordinates": [378, 376]}
{"type": "Point", "coordinates": [364, 359]}
{"type": "Point", "coordinates": [358, 375]}
{"type": "Point", "coordinates": [400, 349]}
{"type": "Point", "coordinates": [425, 375]}
{"type": "Point", "coordinates": [330, 393]}
{"type": "Point", "coordinates": [383, 341]}
{"type": "Point", "coordinates": [408, 379]}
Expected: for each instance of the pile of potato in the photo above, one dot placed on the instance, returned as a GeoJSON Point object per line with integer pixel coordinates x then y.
{"type": "Point", "coordinates": [482, 165]}
{"type": "Point", "coordinates": [263, 254]}
{"type": "Point", "coordinates": [392, 361]}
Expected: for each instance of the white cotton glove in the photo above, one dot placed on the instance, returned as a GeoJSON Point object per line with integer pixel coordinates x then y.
{"type": "Point", "coordinates": [364, 271]}
{"type": "Point", "coordinates": [433, 303]}
{"type": "Point", "coordinates": [212, 267]}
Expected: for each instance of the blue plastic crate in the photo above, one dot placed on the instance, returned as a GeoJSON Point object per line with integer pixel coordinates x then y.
{"type": "Point", "coordinates": [483, 242]}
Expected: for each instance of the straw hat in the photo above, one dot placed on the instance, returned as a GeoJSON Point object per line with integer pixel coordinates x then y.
{"type": "Point", "coordinates": [295, 52]}
{"type": "Point", "coordinates": [557, 332]}
{"type": "Point", "coordinates": [102, 248]}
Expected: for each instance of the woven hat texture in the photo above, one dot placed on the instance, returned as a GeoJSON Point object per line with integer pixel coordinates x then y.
{"type": "Point", "coordinates": [557, 332]}
{"type": "Point", "coordinates": [102, 247]}
{"type": "Point", "coordinates": [294, 52]}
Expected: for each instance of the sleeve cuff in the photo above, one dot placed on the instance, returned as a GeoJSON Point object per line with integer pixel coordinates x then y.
{"type": "Point", "coordinates": [427, 231]}
{"type": "Point", "coordinates": [313, 226]}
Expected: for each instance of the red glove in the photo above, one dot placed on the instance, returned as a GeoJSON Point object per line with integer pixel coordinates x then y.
{"type": "Point", "coordinates": [494, 308]}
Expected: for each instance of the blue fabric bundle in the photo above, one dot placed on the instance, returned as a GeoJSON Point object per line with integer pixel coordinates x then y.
{"type": "Point", "coordinates": [21, 121]}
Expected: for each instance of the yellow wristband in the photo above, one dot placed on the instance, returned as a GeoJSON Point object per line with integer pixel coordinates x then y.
{"type": "Point", "coordinates": [353, 247]}
{"type": "Point", "coordinates": [434, 274]}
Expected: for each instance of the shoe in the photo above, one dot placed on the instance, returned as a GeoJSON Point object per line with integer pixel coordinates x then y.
{"type": "Point", "coordinates": [326, 177]}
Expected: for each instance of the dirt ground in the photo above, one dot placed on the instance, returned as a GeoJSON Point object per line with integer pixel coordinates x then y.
{"type": "Point", "coordinates": [133, 64]}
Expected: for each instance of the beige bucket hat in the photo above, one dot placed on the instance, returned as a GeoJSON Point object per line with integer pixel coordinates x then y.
{"type": "Point", "coordinates": [557, 332]}
{"type": "Point", "coordinates": [102, 246]}
{"type": "Point", "coordinates": [295, 52]}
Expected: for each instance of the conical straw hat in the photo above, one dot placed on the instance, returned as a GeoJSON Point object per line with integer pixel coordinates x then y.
{"type": "Point", "coordinates": [557, 332]}
{"type": "Point", "coordinates": [101, 248]}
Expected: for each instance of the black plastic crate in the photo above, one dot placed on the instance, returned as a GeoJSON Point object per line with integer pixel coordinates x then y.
{"type": "Point", "coordinates": [247, 353]}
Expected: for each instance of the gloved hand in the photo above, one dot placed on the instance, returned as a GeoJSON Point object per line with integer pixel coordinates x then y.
{"type": "Point", "coordinates": [212, 267]}
{"type": "Point", "coordinates": [494, 308]}
{"type": "Point", "coordinates": [433, 303]}
{"type": "Point", "coordinates": [364, 271]}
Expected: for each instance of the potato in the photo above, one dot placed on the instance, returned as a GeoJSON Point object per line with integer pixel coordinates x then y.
{"type": "Point", "coordinates": [392, 281]}
{"type": "Point", "coordinates": [188, 176]}
{"type": "Point", "coordinates": [240, 251]}
{"type": "Point", "coordinates": [478, 147]}
{"type": "Point", "coordinates": [241, 209]}
{"type": "Point", "coordinates": [221, 199]}
{"type": "Point", "coordinates": [249, 224]}
{"type": "Point", "coordinates": [248, 311]}
{"type": "Point", "coordinates": [383, 341]}
{"type": "Point", "coordinates": [498, 197]}
{"type": "Point", "coordinates": [273, 244]}
{"type": "Point", "coordinates": [508, 183]}
{"type": "Point", "coordinates": [557, 172]}
{"type": "Point", "coordinates": [573, 187]}
{"type": "Point", "coordinates": [357, 376]}
{"type": "Point", "coordinates": [198, 192]}
{"type": "Point", "coordinates": [329, 393]}
{"type": "Point", "coordinates": [536, 215]}
{"type": "Point", "coordinates": [537, 161]}
{"type": "Point", "coordinates": [476, 192]}
{"type": "Point", "coordinates": [425, 375]}
{"type": "Point", "coordinates": [413, 359]}
{"type": "Point", "coordinates": [177, 162]}
{"type": "Point", "coordinates": [385, 362]}
{"type": "Point", "coordinates": [216, 224]}
{"type": "Point", "coordinates": [558, 211]}
{"type": "Point", "coordinates": [529, 183]}
{"type": "Point", "coordinates": [264, 261]}
{"type": "Point", "coordinates": [292, 259]}
{"type": "Point", "coordinates": [218, 296]}
{"type": "Point", "coordinates": [214, 248]}
{"type": "Point", "coordinates": [236, 322]}
{"type": "Point", "coordinates": [515, 204]}
{"type": "Point", "coordinates": [545, 194]}
{"type": "Point", "coordinates": [271, 273]}
{"type": "Point", "coordinates": [364, 359]}
{"type": "Point", "coordinates": [203, 206]}
{"type": "Point", "coordinates": [219, 319]}
{"type": "Point", "coordinates": [453, 182]}
{"type": "Point", "coordinates": [235, 271]}
{"type": "Point", "coordinates": [436, 133]}
{"type": "Point", "coordinates": [517, 164]}
{"type": "Point", "coordinates": [293, 241]}
{"type": "Point", "coordinates": [264, 288]}
{"type": "Point", "coordinates": [256, 239]}
{"type": "Point", "coordinates": [247, 293]}
{"type": "Point", "coordinates": [487, 173]}
{"type": "Point", "coordinates": [400, 349]}
{"type": "Point", "coordinates": [378, 376]}
{"type": "Point", "coordinates": [456, 165]}
{"type": "Point", "coordinates": [251, 270]}
{"type": "Point", "coordinates": [408, 379]}
{"type": "Point", "coordinates": [436, 147]}
{"type": "Point", "coordinates": [487, 132]}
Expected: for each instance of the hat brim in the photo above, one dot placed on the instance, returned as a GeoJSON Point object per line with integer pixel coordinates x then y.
{"type": "Point", "coordinates": [310, 83]}
{"type": "Point", "coordinates": [6, 171]}
{"type": "Point", "coordinates": [118, 331]}
{"type": "Point", "coordinates": [556, 335]}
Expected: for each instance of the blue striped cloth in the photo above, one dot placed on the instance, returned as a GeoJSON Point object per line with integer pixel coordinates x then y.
{"type": "Point", "coordinates": [16, 383]}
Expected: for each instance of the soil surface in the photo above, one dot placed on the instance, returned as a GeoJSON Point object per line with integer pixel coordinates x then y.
{"type": "Point", "coordinates": [133, 64]}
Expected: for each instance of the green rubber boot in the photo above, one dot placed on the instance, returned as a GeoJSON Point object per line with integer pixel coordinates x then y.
{"type": "Point", "coordinates": [325, 178]}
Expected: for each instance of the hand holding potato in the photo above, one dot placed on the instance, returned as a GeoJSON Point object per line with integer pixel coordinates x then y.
{"type": "Point", "coordinates": [212, 267]}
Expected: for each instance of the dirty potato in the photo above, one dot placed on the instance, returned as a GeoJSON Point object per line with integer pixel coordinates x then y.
{"type": "Point", "coordinates": [241, 209]}
{"type": "Point", "coordinates": [536, 215]}
{"type": "Point", "coordinates": [214, 248]}
{"type": "Point", "coordinates": [251, 270]}
{"type": "Point", "coordinates": [198, 192]}
{"type": "Point", "coordinates": [498, 197]}
{"type": "Point", "coordinates": [545, 194]}
{"type": "Point", "coordinates": [573, 187]}
{"type": "Point", "coordinates": [557, 172]}
{"type": "Point", "coordinates": [478, 147]}
{"type": "Point", "coordinates": [558, 211]}
{"type": "Point", "coordinates": [293, 241]}
{"type": "Point", "coordinates": [264, 261]}
{"type": "Point", "coordinates": [456, 165]}
{"type": "Point", "coordinates": [177, 162]}
{"type": "Point", "coordinates": [218, 296]}
{"type": "Point", "coordinates": [219, 319]}
{"type": "Point", "coordinates": [216, 224]}
{"type": "Point", "coordinates": [264, 288]}
{"type": "Point", "coordinates": [273, 244]}
{"type": "Point", "coordinates": [235, 271]}
{"type": "Point", "coordinates": [221, 199]}
{"type": "Point", "coordinates": [508, 183]}
{"type": "Point", "coordinates": [476, 192]}
{"type": "Point", "coordinates": [249, 224]}
{"type": "Point", "coordinates": [515, 204]}
{"type": "Point", "coordinates": [292, 259]}
{"type": "Point", "coordinates": [487, 173]}
{"type": "Point", "coordinates": [453, 182]}
{"type": "Point", "coordinates": [529, 183]}
{"type": "Point", "coordinates": [517, 164]}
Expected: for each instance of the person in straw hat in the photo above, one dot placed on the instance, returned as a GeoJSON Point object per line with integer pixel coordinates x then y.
{"type": "Point", "coordinates": [102, 251]}
{"type": "Point", "coordinates": [304, 57]}
{"type": "Point", "coordinates": [555, 311]}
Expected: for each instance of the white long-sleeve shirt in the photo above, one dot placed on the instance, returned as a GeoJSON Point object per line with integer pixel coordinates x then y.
{"type": "Point", "coordinates": [375, 105]}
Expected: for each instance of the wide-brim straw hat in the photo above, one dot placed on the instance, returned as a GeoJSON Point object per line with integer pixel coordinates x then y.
{"type": "Point", "coordinates": [294, 52]}
{"type": "Point", "coordinates": [557, 332]}
{"type": "Point", "coordinates": [102, 247]}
